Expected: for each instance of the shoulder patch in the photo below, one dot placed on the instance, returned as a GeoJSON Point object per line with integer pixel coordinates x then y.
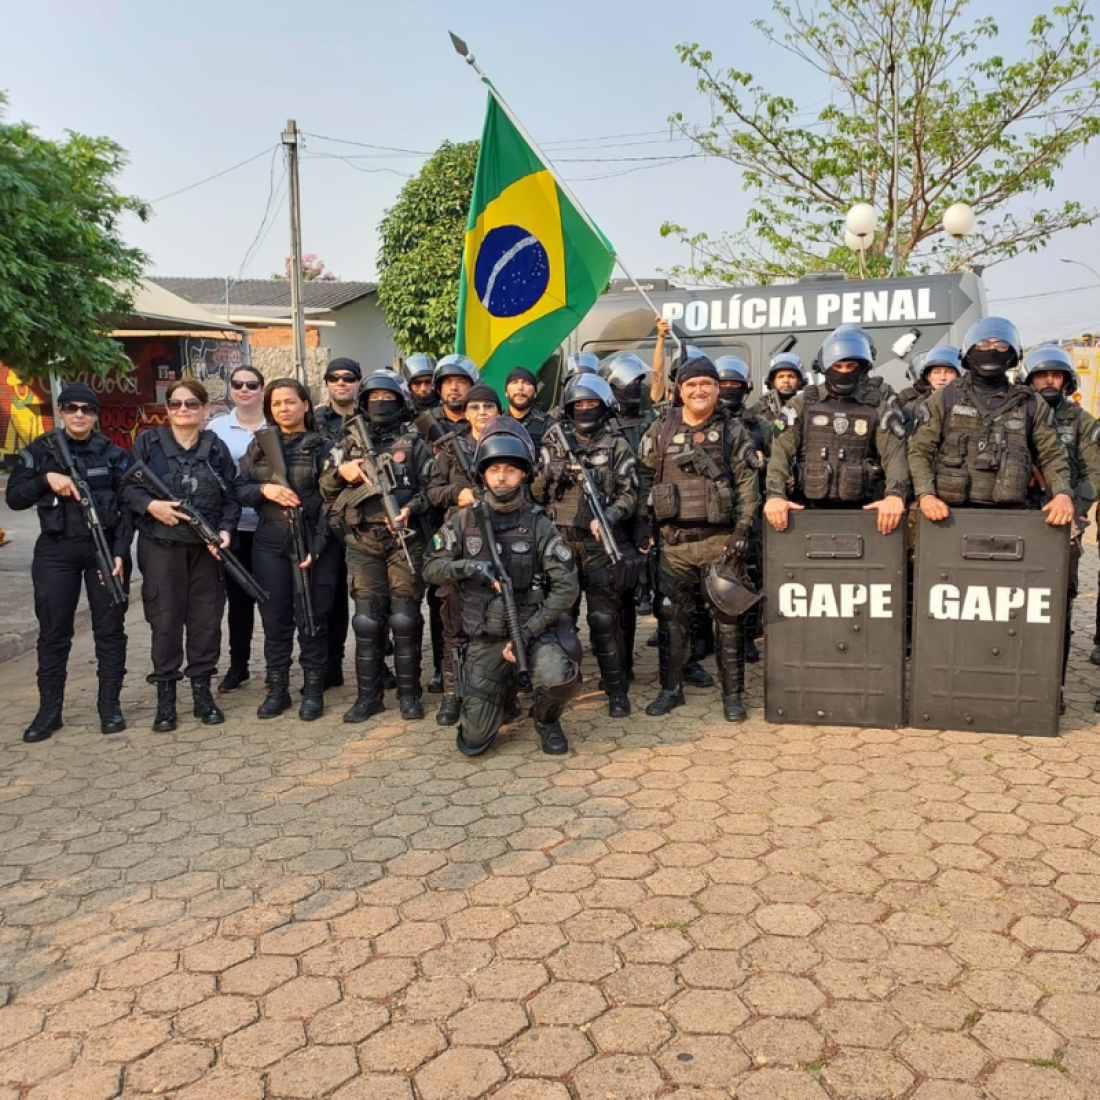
{"type": "Point", "coordinates": [559, 550]}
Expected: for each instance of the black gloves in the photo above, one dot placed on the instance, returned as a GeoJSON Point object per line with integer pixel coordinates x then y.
{"type": "Point", "coordinates": [739, 544]}
{"type": "Point", "coordinates": [482, 571]}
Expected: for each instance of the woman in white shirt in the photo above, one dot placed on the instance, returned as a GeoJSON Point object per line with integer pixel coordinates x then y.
{"type": "Point", "coordinates": [235, 429]}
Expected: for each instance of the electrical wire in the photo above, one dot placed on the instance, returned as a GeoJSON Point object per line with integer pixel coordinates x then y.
{"type": "Point", "coordinates": [271, 207]}
{"type": "Point", "coordinates": [216, 175]}
{"type": "Point", "coordinates": [1044, 293]}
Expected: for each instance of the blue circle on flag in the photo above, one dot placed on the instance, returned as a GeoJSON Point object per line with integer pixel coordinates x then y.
{"type": "Point", "coordinates": [512, 271]}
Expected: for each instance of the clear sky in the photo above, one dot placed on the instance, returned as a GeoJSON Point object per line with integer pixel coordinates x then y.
{"type": "Point", "coordinates": [191, 89]}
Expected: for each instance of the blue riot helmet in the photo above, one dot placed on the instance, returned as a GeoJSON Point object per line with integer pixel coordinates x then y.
{"type": "Point", "coordinates": [844, 347]}
{"type": "Point", "coordinates": [734, 381]}
{"type": "Point", "coordinates": [787, 360]}
{"type": "Point", "coordinates": [943, 357]}
{"type": "Point", "coordinates": [629, 379]}
{"type": "Point", "coordinates": [1051, 357]}
{"type": "Point", "coordinates": [859, 330]}
{"type": "Point", "coordinates": [991, 347]}
{"type": "Point", "coordinates": [915, 366]}
{"type": "Point", "coordinates": [588, 387]}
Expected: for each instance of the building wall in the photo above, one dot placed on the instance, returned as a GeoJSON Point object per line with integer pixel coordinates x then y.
{"type": "Point", "coordinates": [361, 333]}
{"type": "Point", "coordinates": [281, 336]}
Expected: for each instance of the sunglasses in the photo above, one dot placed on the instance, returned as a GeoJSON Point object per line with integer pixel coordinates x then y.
{"type": "Point", "coordinates": [481, 407]}
{"type": "Point", "coordinates": [70, 408]}
{"type": "Point", "coordinates": [341, 378]}
{"type": "Point", "coordinates": [245, 385]}
{"type": "Point", "coordinates": [189, 403]}
{"type": "Point", "coordinates": [992, 345]}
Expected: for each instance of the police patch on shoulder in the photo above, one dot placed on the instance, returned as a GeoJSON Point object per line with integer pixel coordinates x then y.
{"type": "Point", "coordinates": [560, 551]}
{"type": "Point", "coordinates": [819, 421]}
{"type": "Point", "coordinates": [437, 542]}
{"type": "Point", "coordinates": [474, 544]}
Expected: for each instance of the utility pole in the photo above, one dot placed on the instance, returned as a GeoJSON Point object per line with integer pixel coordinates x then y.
{"type": "Point", "coordinates": [290, 143]}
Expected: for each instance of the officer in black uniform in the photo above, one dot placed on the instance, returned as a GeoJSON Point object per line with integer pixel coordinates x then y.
{"type": "Point", "coordinates": [183, 588]}
{"type": "Point", "coordinates": [386, 590]}
{"type": "Point", "coordinates": [544, 580]}
{"type": "Point", "coordinates": [1049, 370]}
{"type": "Point", "coordinates": [845, 439]}
{"type": "Point", "coordinates": [698, 479]}
{"type": "Point", "coordinates": [451, 380]}
{"type": "Point", "coordinates": [64, 557]}
{"type": "Point", "coordinates": [786, 376]}
{"type": "Point", "coordinates": [419, 372]}
{"type": "Point", "coordinates": [342, 378]}
{"type": "Point", "coordinates": [587, 405]}
{"type": "Point", "coordinates": [288, 407]}
{"type": "Point", "coordinates": [929, 371]}
{"type": "Point", "coordinates": [978, 439]}
{"type": "Point", "coordinates": [520, 388]}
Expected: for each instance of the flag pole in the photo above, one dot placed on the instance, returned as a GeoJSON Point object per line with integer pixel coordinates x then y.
{"type": "Point", "coordinates": [464, 52]}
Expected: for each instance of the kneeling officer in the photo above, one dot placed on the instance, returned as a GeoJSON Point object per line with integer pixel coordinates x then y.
{"type": "Point", "coordinates": [541, 571]}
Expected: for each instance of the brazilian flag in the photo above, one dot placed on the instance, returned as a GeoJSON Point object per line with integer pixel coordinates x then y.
{"type": "Point", "coordinates": [533, 263]}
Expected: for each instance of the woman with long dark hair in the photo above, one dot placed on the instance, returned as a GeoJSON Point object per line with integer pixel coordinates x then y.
{"type": "Point", "coordinates": [280, 476]}
{"type": "Point", "coordinates": [183, 589]}
{"type": "Point", "coordinates": [235, 430]}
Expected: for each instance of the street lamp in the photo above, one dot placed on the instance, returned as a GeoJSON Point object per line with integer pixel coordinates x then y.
{"type": "Point", "coordinates": [1081, 263]}
{"type": "Point", "coordinates": [958, 220]}
{"type": "Point", "coordinates": [861, 222]}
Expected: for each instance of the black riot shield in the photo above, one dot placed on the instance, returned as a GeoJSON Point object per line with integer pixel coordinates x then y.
{"type": "Point", "coordinates": [989, 605]}
{"type": "Point", "coordinates": [834, 621]}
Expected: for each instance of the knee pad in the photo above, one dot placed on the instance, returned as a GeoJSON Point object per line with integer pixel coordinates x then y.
{"type": "Point", "coordinates": [664, 610]}
{"type": "Point", "coordinates": [366, 622]}
{"type": "Point", "coordinates": [601, 622]}
{"type": "Point", "coordinates": [405, 620]}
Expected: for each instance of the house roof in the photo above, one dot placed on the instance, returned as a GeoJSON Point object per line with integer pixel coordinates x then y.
{"type": "Point", "coordinates": [268, 293]}
{"type": "Point", "coordinates": [157, 308]}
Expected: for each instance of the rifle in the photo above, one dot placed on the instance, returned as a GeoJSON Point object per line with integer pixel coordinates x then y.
{"type": "Point", "coordinates": [484, 517]}
{"type": "Point", "coordinates": [104, 559]}
{"type": "Point", "coordinates": [141, 475]}
{"type": "Point", "coordinates": [591, 492]}
{"type": "Point", "coordinates": [272, 448]}
{"type": "Point", "coordinates": [380, 482]}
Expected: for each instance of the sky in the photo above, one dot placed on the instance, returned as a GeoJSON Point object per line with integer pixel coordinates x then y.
{"type": "Point", "coordinates": [191, 90]}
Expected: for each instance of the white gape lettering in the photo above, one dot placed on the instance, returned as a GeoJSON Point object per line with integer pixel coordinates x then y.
{"type": "Point", "coordinates": [980, 604]}
{"type": "Point", "coordinates": [841, 601]}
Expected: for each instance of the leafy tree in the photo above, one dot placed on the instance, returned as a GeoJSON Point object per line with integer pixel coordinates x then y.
{"type": "Point", "coordinates": [313, 269]}
{"type": "Point", "coordinates": [972, 127]}
{"type": "Point", "coordinates": [64, 268]}
{"type": "Point", "coordinates": [421, 254]}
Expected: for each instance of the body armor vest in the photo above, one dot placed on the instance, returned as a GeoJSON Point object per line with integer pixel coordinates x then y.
{"type": "Point", "coordinates": [837, 462]}
{"type": "Point", "coordinates": [632, 428]}
{"type": "Point", "coordinates": [692, 487]}
{"type": "Point", "coordinates": [1067, 423]}
{"type": "Point", "coordinates": [984, 457]}
{"type": "Point", "coordinates": [62, 515]}
{"type": "Point", "coordinates": [191, 478]}
{"type": "Point", "coordinates": [569, 506]}
{"type": "Point", "coordinates": [483, 608]}
{"type": "Point", "coordinates": [301, 453]}
{"type": "Point", "coordinates": [534, 424]}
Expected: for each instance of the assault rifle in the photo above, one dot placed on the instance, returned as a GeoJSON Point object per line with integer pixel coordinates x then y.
{"type": "Point", "coordinates": [380, 482]}
{"type": "Point", "coordinates": [104, 559]}
{"type": "Point", "coordinates": [484, 516]}
{"type": "Point", "coordinates": [141, 475]}
{"type": "Point", "coordinates": [271, 445]}
{"type": "Point", "coordinates": [556, 435]}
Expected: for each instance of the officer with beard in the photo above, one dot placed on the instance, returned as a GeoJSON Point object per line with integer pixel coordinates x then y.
{"type": "Point", "coordinates": [845, 439]}
{"type": "Point", "coordinates": [978, 438]}
{"type": "Point", "coordinates": [386, 590]}
{"type": "Point", "coordinates": [419, 373]}
{"type": "Point", "coordinates": [1049, 371]}
{"type": "Point", "coordinates": [786, 376]}
{"type": "Point", "coordinates": [543, 574]}
{"type": "Point", "coordinates": [520, 388]}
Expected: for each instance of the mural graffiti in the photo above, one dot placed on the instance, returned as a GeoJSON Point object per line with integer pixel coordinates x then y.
{"type": "Point", "coordinates": [25, 411]}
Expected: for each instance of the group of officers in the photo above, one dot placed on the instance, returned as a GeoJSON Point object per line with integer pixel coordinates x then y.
{"type": "Point", "coordinates": [644, 488]}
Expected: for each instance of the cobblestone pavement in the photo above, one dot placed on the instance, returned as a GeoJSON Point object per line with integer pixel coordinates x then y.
{"type": "Point", "coordinates": [679, 908]}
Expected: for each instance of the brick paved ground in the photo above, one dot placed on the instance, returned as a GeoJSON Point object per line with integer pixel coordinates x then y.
{"type": "Point", "coordinates": [679, 908]}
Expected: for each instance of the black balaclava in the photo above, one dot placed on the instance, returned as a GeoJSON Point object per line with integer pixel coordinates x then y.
{"type": "Point", "coordinates": [991, 367]}
{"type": "Point", "coordinates": [428, 401]}
{"type": "Point", "coordinates": [842, 384]}
{"type": "Point", "coordinates": [630, 397]}
{"type": "Point", "coordinates": [588, 420]}
{"type": "Point", "coordinates": [385, 415]}
{"type": "Point", "coordinates": [732, 398]}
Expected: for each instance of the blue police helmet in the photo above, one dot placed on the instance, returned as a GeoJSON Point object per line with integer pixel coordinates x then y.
{"type": "Point", "coordinates": [847, 345]}
{"type": "Point", "coordinates": [732, 368]}
{"type": "Point", "coordinates": [992, 328]}
{"type": "Point", "coordinates": [1051, 357]}
{"type": "Point", "coordinates": [786, 360]}
{"type": "Point", "coordinates": [859, 330]}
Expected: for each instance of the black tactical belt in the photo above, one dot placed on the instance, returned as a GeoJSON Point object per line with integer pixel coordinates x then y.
{"type": "Point", "coordinates": [674, 536]}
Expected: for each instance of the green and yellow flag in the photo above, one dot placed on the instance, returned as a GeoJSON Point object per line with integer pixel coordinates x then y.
{"type": "Point", "coordinates": [533, 264]}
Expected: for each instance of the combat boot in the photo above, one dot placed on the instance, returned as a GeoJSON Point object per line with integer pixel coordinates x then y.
{"type": "Point", "coordinates": [234, 677]}
{"type": "Point", "coordinates": [553, 738]}
{"type": "Point", "coordinates": [51, 700]}
{"type": "Point", "coordinates": [435, 684]}
{"type": "Point", "coordinates": [367, 704]}
{"type": "Point", "coordinates": [668, 699]}
{"type": "Point", "coordinates": [449, 710]}
{"type": "Point", "coordinates": [618, 704]}
{"type": "Point", "coordinates": [733, 709]}
{"type": "Point", "coordinates": [697, 676]}
{"type": "Point", "coordinates": [313, 695]}
{"type": "Point", "coordinates": [731, 668]}
{"type": "Point", "coordinates": [277, 701]}
{"type": "Point", "coordinates": [164, 721]}
{"type": "Point", "coordinates": [411, 708]}
{"type": "Point", "coordinates": [205, 707]}
{"type": "Point", "coordinates": [111, 719]}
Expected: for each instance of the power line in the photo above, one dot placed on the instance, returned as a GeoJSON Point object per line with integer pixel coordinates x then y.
{"type": "Point", "coordinates": [216, 175]}
{"type": "Point", "coordinates": [271, 207]}
{"type": "Point", "coordinates": [358, 167]}
{"type": "Point", "coordinates": [1045, 293]}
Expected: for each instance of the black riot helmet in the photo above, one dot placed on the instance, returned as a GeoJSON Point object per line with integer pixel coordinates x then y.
{"type": "Point", "coordinates": [842, 346]}
{"type": "Point", "coordinates": [628, 378]}
{"type": "Point", "coordinates": [588, 387]}
{"type": "Point", "coordinates": [786, 360]}
{"type": "Point", "coordinates": [584, 362]}
{"type": "Point", "coordinates": [727, 593]}
{"type": "Point", "coordinates": [1001, 351]}
{"type": "Point", "coordinates": [388, 413]}
{"type": "Point", "coordinates": [419, 365]}
{"type": "Point", "coordinates": [455, 366]}
{"type": "Point", "coordinates": [734, 381]}
{"type": "Point", "coordinates": [504, 440]}
{"type": "Point", "coordinates": [1051, 357]}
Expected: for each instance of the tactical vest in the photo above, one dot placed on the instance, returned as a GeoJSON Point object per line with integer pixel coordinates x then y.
{"type": "Point", "coordinates": [984, 457]}
{"type": "Point", "coordinates": [534, 424]}
{"type": "Point", "coordinates": [402, 462]}
{"type": "Point", "coordinates": [632, 428]}
{"type": "Point", "coordinates": [482, 607]}
{"type": "Point", "coordinates": [1067, 423]}
{"type": "Point", "coordinates": [190, 478]}
{"type": "Point", "coordinates": [62, 515]}
{"type": "Point", "coordinates": [837, 462]}
{"type": "Point", "coordinates": [684, 493]}
{"type": "Point", "coordinates": [302, 456]}
{"type": "Point", "coordinates": [569, 506]}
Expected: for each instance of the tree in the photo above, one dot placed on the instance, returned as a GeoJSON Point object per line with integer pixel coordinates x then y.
{"type": "Point", "coordinates": [971, 127]}
{"type": "Point", "coordinates": [313, 269]}
{"type": "Point", "coordinates": [64, 268]}
{"type": "Point", "coordinates": [421, 254]}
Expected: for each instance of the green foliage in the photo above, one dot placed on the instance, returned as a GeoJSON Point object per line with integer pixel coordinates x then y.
{"type": "Point", "coordinates": [972, 126]}
{"type": "Point", "coordinates": [421, 254]}
{"type": "Point", "coordinates": [64, 269]}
